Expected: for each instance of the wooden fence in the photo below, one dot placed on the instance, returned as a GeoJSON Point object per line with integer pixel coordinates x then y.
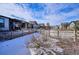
{"type": "Point", "coordinates": [65, 34]}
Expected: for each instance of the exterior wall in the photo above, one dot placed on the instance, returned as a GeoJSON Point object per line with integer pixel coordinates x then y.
{"type": "Point", "coordinates": [16, 24]}
{"type": "Point", "coordinates": [26, 25]}
{"type": "Point", "coordinates": [77, 25]}
{"type": "Point", "coordinates": [55, 27]}
{"type": "Point", "coordinates": [30, 26]}
{"type": "Point", "coordinates": [6, 24]}
{"type": "Point", "coordinates": [60, 26]}
{"type": "Point", "coordinates": [71, 26]}
{"type": "Point", "coordinates": [35, 26]}
{"type": "Point", "coordinates": [63, 27]}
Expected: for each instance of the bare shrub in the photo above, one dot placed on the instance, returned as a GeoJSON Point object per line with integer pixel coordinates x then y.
{"type": "Point", "coordinates": [42, 45]}
{"type": "Point", "coordinates": [39, 42]}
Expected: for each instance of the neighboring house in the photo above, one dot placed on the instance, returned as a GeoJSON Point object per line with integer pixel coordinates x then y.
{"type": "Point", "coordinates": [63, 26]}
{"type": "Point", "coordinates": [29, 26]}
{"type": "Point", "coordinates": [25, 25]}
{"type": "Point", "coordinates": [71, 26]}
{"type": "Point", "coordinates": [41, 25]}
{"type": "Point", "coordinates": [55, 27]}
{"type": "Point", "coordinates": [47, 26]}
{"type": "Point", "coordinates": [74, 25]}
{"type": "Point", "coordinates": [77, 24]}
{"type": "Point", "coordinates": [34, 24]}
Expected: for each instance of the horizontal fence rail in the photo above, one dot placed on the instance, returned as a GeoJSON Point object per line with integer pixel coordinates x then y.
{"type": "Point", "coordinates": [65, 34]}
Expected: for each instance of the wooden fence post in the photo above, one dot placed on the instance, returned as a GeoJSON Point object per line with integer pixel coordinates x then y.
{"type": "Point", "coordinates": [75, 33]}
{"type": "Point", "coordinates": [58, 31]}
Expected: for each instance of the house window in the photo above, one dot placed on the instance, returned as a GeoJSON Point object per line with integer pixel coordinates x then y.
{"type": "Point", "coordinates": [1, 22]}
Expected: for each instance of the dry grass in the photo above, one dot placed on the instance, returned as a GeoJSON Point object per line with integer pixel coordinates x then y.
{"type": "Point", "coordinates": [39, 42]}
{"type": "Point", "coordinates": [45, 45]}
{"type": "Point", "coordinates": [70, 47]}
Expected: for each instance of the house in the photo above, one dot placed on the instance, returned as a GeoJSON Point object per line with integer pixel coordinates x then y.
{"type": "Point", "coordinates": [34, 24]}
{"type": "Point", "coordinates": [41, 25]}
{"type": "Point", "coordinates": [77, 25]}
{"type": "Point", "coordinates": [29, 25]}
{"type": "Point", "coordinates": [47, 26]}
{"type": "Point", "coordinates": [63, 26]}
{"type": "Point", "coordinates": [55, 27]}
{"type": "Point", "coordinates": [25, 25]}
{"type": "Point", "coordinates": [71, 26]}
{"type": "Point", "coordinates": [74, 25]}
{"type": "Point", "coordinates": [9, 24]}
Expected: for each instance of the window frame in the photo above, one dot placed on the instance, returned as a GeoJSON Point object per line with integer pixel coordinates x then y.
{"type": "Point", "coordinates": [2, 24]}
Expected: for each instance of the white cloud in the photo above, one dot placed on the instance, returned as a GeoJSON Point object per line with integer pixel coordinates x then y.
{"type": "Point", "coordinates": [13, 9]}
{"type": "Point", "coordinates": [50, 14]}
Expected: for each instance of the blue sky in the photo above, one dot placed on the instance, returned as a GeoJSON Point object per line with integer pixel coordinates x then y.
{"type": "Point", "coordinates": [54, 13]}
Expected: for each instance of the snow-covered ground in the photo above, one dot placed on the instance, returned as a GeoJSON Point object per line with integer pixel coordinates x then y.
{"type": "Point", "coordinates": [16, 46]}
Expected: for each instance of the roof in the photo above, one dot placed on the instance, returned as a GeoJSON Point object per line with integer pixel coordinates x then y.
{"type": "Point", "coordinates": [12, 18]}
{"type": "Point", "coordinates": [33, 22]}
